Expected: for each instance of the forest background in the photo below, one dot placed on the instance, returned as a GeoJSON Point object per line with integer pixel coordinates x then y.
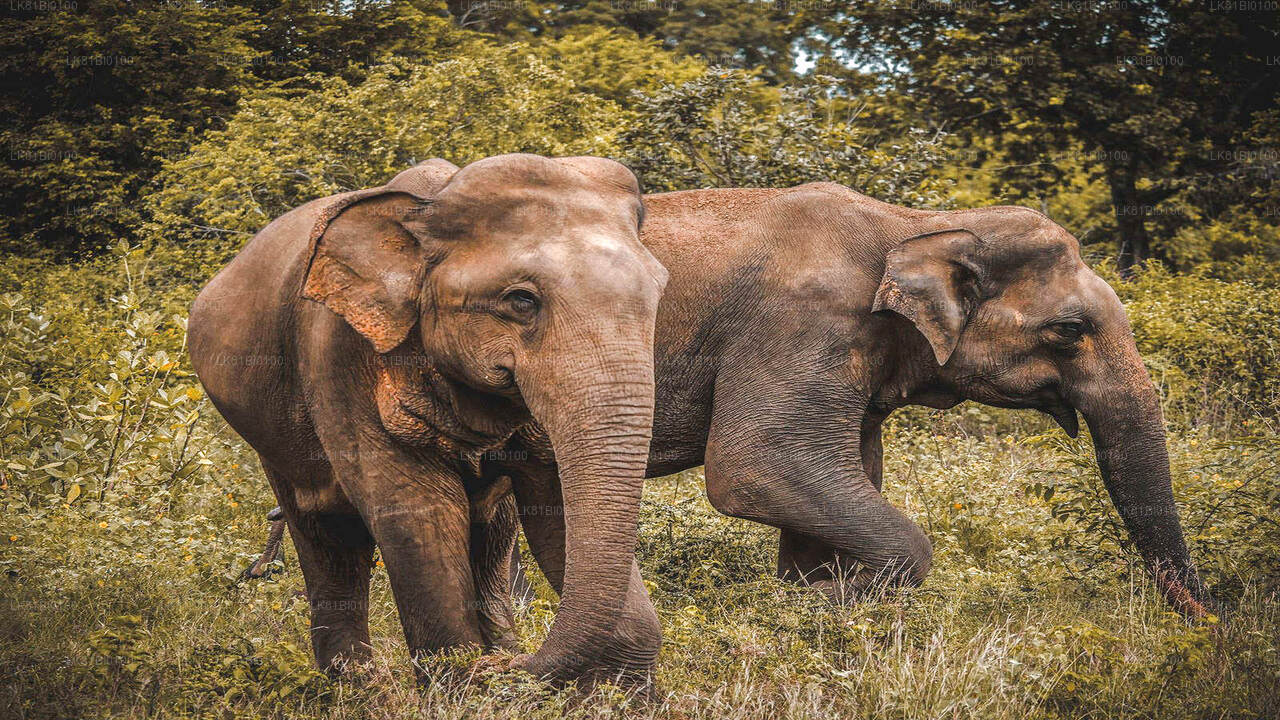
{"type": "Point", "coordinates": [144, 142]}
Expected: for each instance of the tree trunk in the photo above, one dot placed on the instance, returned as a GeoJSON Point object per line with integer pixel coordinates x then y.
{"type": "Point", "coordinates": [1133, 244]}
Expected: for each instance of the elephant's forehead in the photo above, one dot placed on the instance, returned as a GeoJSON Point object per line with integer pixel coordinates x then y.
{"type": "Point", "coordinates": [582, 248]}
{"type": "Point", "coordinates": [586, 262]}
{"type": "Point", "coordinates": [520, 212]}
{"type": "Point", "coordinates": [1065, 288]}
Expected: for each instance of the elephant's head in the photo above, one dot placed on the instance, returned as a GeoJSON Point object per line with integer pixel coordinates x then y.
{"type": "Point", "coordinates": [524, 280]}
{"type": "Point", "coordinates": [1014, 318]}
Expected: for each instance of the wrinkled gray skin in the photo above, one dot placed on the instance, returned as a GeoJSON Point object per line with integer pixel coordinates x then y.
{"type": "Point", "coordinates": [796, 320]}
{"type": "Point", "coordinates": [376, 349]}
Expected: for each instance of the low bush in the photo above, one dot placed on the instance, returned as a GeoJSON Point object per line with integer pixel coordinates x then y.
{"type": "Point", "coordinates": [1212, 346]}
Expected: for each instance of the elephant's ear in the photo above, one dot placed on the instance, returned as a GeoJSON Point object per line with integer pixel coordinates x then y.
{"type": "Point", "coordinates": [605, 170]}
{"type": "Point", "coordinates": [932, 280]}
{"type": "Point", "coordinates": [369, 252]}
{"type": "Point", "coordinates": [610, 173]}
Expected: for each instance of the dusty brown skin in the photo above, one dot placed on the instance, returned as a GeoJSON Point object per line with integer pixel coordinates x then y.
{"type": "Point", "coordinates": [379, 348]}
{"type": "Point", "coordinates": [796, 320]}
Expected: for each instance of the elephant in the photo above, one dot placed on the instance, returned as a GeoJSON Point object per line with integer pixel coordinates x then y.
{"type": "Point", "coordinates": [796, 320]}
{"type": "Point", "coordinates": [377, 347]}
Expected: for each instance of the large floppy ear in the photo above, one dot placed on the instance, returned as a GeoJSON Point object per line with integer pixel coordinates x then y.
{"type": "Point", "coordinates": [605, 170]}
{"type": "Point", "coordinates": [369, 254]}
{"type": "Point", "coordinates": [933, 280]}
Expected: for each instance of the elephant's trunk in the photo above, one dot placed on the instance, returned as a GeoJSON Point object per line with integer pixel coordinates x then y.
{"type": "Point", "coordinates": [1129, 439]}
{"type": "Point", "coordinates": [600, 433]}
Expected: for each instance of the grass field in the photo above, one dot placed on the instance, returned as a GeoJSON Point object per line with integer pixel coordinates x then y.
{"type": "Point", "coordinates": [125, 607]}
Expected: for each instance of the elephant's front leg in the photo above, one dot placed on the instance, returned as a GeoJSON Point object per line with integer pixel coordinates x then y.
{"type": "Point", "coordinates": [494, 527]}
{"type": "Point", "coordinates": [772, 460]}
{"type": "Point", "coordinates": [807, 560]}
{"type": "Point", "coordinates": [419, 515]}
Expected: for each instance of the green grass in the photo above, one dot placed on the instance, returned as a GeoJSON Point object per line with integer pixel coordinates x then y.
{"type": "Point", "coordinates": [126, 607]}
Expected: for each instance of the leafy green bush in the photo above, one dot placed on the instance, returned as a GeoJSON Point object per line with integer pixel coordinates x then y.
{"type": "Point", "coordinates": [726, 129]}
{"type": "Point", "coordinates": [127, 420]}
{"type": "Point", "coordinates": [1239, 246]}
{"type": "Point", "coordinates": [615, 65]}
{"type": "Point", "coordinates": [288, 146]}
{"type": "Point", "coordinates": [1212, 346]}
{"type": "Point", "coordinates": [1226, 492]}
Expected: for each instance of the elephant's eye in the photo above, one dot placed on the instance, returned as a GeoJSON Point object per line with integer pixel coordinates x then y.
{"type": "Point", "coordinates": [521, 302]}
{"type": "Point", "coordinates": [1067, 331]}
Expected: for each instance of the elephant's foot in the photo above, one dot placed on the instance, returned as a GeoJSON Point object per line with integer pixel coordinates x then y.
{"type": "Point", "coordinates": [838, 593]}
{"type": "Point", "coordinates": [849, 593]}
{"type": "Point", "coordinates": [625, 659]}
{"type": "Point", "coordinates": [843, 579]}
{"type": "Point", "coordinates": [637, 682]}
{"type": "Point", "coordinates": [847, 589]}
{"type": "Point", "coordinates": [354, 662]}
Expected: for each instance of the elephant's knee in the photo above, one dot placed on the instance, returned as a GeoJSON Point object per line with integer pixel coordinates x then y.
{"type": "Point", "coordinates": [727, 497]}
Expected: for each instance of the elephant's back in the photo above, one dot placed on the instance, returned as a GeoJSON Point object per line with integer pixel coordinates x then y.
{"type": "Point", "coordinates": [706, 220]}
{"type": "Point", "coordinates": [263, 265]}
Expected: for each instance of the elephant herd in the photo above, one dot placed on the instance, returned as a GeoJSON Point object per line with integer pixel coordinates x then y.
{"type": "Point", "coordinates": [429, 366]}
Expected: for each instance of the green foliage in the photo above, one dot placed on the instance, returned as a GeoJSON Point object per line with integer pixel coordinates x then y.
{"type": "Point", "coordinates": [1212, 346]}
{"type": "Point", "coordinates": [1225, 490]}
{"type": "Point", "coordinates": [296, 38]}
{"type": "Point", "coordinates": [615, 65]}
{"type": "Point", "coordinates": [1238, 246]}
{"type": "Point", "coordinates": [120, 649]}
{"type": "Point", "coordinates": [1163, 93]}
{"type": "Point", "coordinates": [274, 674]}
{"type": "Point", "coordinates": [741, 34]}
{"type": "Point", "coordinates": [215, 677]}
{"type": "Point", "coordinates": [97, 96]}
{"type": "Point", "coordinates": [724, 129]}
{"type": "Point", "coordinates": [76, 432]}
{"type": "Point", "coordinates": [94, 99]}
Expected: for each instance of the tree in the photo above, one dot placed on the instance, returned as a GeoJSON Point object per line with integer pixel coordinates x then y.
{"type": "Point", "coordinates": [286, 146]}
{"type": "Point", "coordinates": [332, 37]}
{"type": "Point", "coordinates": [1158, 92]}
{"type": "Point", "coordinates": [741, 34]}
{"type": "Point", "coordinates": [728, 129]}
{"type": "Point", "coordinates": [93, 97]}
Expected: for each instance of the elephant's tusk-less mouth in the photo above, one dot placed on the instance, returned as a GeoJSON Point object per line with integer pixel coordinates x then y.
{"type": "Point", "coordinates": [1065, 416]}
